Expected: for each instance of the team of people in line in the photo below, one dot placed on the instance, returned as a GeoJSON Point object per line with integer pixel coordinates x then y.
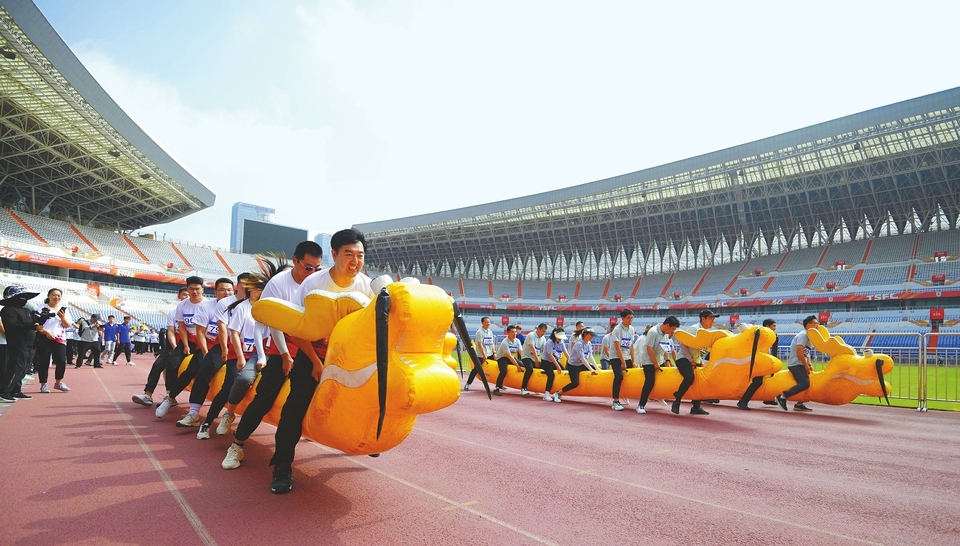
{"type": "Point", "coordinates": [622, 349]}
{"type": "Point", "coordinates": [222, 333]}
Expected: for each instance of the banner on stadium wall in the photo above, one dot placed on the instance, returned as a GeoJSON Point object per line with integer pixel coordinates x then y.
{"type": "Point", "coordinates": [113, 271]}
{"type": "Point", "coordinates": [93, 289]}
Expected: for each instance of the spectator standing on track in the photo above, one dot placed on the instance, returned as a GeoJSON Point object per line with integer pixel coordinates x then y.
{"type": "Point", "coordinates": [109, 332]}
{"type": "Point", "coordinates": [20, 331]}
{"type": "Point", "coordinates": [486, 347]}
{"type": "Point", "coordinates": [52, 341]}
{"type": "Point", "coordinates": [73, 337]}
{"type": "Point", "coordinates": [553, 351]}
{"type": "Point", "coordinates": [530, 354]}
{"type": "Point", "coordinates": [154, 340]}
{"type": "Point", "coordinates": [798, 362]}
{"type": "Point", "coordinates": [284, 285]}
{"type": "Point", "coordinates": [651, 349]}
{"type": "Point", "coordinates": [621, 356]}
{"type": "Point", "coordinates": [161, 365]}
{"type": "Point", "coordinates": [89, 345]}
{"type": "Point", "coordinates": [580, 360]}
{"type": "Point", "coordinates": [605, 348]}
{"type": "Point", "coordinates": [691, 358]}
{"type": "Point", "coordinates": [508, 352]}
{"type": "Point", "coordinates": [757, 381]}
{"type": "Point", "coordinates": [123, 341]}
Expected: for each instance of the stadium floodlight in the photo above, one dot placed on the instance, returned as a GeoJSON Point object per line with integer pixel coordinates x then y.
{"type": "Point", "coordinates": [114, 153]}
{"type": "Point", "coordinates": [8, 53]}
{"type": "Point", "coordinates": [145, 176]}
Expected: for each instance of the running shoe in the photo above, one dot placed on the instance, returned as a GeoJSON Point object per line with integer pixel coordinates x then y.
{"type": "Point", "coordinates": [22, 396]}
{"type": "Point", "coordinates": [282, 479]}
{"type": "Point", "coordinates": [699, 411]}
{"type": "Point", "coordinates": [204, 432]}
{"type": "Point", "coordinates": [7, 399]}
{"type": "Point", "coordinates": [44, 389]}
{"type": "Point", "coordinates": [225, 421]}
{"type": "Point", "coordinates": [616, 406]}
{"type": "Point", "coordinates": [800, 407]}
{"type": "Point", "coordinates": [496, 392]}
{"type": "Point", "coordinates": [548, 397]}
{"type": "Point", "coordinates": [164, 407]}
{"type": "Point", "coordinates": [233, 458]}
{"type": "Point", "coordinates": [557, 398]}
{"type": "Point", "coordinates": [466, 387]}
{"type": "Point", "coordinates": [641, 410]}
{"type": "Point", "coordinates": [524, 392]}
{"type": "Point", "coordinates": [782, 402]}
{"type": "Point", "coordinates": [189, 420]}
{"type": "Point", "coordinates": [742, 406]}
{"type": "Point", "coordinates": [61, 386]}
{"type": "Point", "coordinates": [143, 399]}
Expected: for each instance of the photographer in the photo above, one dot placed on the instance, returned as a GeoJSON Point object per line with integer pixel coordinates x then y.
{"type": "Point", "coordinates": [89, 330]}
{"type": "Point", "coordinates": [52, 343]}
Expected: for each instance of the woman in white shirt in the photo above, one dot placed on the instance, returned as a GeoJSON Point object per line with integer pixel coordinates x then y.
{"type": "Point", "coordinates": [52, 341]}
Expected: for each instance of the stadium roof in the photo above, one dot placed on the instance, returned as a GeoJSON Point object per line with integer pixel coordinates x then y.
{"type": "Point", "coordinates": [890, 170]}
{"type": "Point", "coordinates": [67, 149]}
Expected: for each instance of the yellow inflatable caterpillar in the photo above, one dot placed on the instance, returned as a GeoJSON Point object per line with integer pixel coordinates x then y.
{"type": "Point", "coordinates": [346, 409]}
{"type": "Point", "coordinates": [726, 375]}
{"type": "Point", "coordinates": [845, 376]}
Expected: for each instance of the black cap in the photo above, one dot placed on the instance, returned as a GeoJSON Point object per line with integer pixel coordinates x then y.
{"type": "Point", "coordinates": [707, 313]}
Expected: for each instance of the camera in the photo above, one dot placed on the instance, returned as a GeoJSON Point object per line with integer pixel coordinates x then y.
{"type": "Point", "coordinates": [39, 317]}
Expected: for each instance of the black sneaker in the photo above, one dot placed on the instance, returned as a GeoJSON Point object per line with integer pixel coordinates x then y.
{"type": "Point", "coordinates": [699, 411]}
{"type": "Point", "coordinates": [7, 399]}
{"type": "Point", "coordinates": [782, 402]}
{"type": "Point", "coordinates": [22, 396]}
{"type": "Point", "coordinates": [742, 406]}
{"type": "Point", "coordinates": [282, 479]}
{"type": "Point", "coordinates": [769, 403]}
{"type": "Point", "coordinates": [675, 408]}
{"type": "Point", "coordinates": [496, 392]}
{"type": "Point", "coordinates": [800, 407]}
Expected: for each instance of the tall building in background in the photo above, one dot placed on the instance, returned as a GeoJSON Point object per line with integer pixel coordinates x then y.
{"type": "Point", "coordinates": [323, 239]}
{"type": "Point", "coordinates": [246, 211]}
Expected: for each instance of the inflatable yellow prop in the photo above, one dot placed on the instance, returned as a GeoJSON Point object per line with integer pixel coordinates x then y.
{"type": "Point", "coordinates": [845, 376]}
{"type": "Point", "coordinates": [386, 362]}
{"type": "Point", "coordinates": [726, 375]}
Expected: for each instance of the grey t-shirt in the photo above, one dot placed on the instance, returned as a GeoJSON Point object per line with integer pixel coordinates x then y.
{"type": "Point", "coordinates": [656, 340]}
{"type": "Point", "coordinates": [693, 355]}
{"type": "Point", "coordinates": [799, 340]}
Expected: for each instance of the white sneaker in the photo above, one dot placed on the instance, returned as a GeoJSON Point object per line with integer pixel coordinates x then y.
{"type": "Point", "coordinates": [204, 432]}
{"type": "Point", "coordinates": [143, 399]}
{"type": "Point", "coordinates": [225, 421]}
{"type": "Point", "coordinates": [617, 407]}
{"type": "Point", "coordinates": [114, 364]}
{"type": "Point", "coordinates": [548, 397]}
{"type": "Point", "coordinates": [233, 458]}
{"type": "Point", "coordinates": [624, 402]}
{"type": "Point", "coordinates": [663, 402]}
{"type": "Point", "coordinates": [164, 407]}
{"type": "Point", "coordinates": [61, 386]}
{"type": "Point", "coordinates": [641, 410]}
{"type": "Point", "coordinates": [556, 397]}
{"type": "Point", "coordinates": [524, 392]}
{"type": "Point", "coordinates": [189, 420]}
{"type": "Point", "coordinates": [130, 364]}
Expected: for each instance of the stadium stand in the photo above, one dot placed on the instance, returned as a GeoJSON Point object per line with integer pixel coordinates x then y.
{"type": "Point", "coordinates": [851, 253]}
{"type": "Point", "coordinates": [883, 276]}
{"type": "Point", "coordinates": [799, 260]}
{"type": "Point", "coordinates": [204, 260]}
{"type": "Point", "coordinates": [684, 282]}
{"type": "Point", "coordinates": [534, 290]}
{"type": "Point", "coordinates": [473, 288]}
{"type": "Point", "coordinates": [624, 287]}
{"type": "Point", "coordinates": [718, 278]}
{"type": "Point", "coordinates": [11, 229]}
{"type": "Point", "coordinates": [891, 249]}
{"type": "Point", "coordinates": [591, 290]}
{"type": "Point", "coordinates": [788, 283]}
{"type": "Point", "coordinates": [563, 288]}
{"type": "Point", "coordinates": [160, 253]}
{"type": "Point", "coordinates": [111, 244]}
{"type": "Point", "coordinates": [57, 233]}
{"type": "Point", "coordinates": [240, 263]}
{"type": "Point", "coordinates": [652, 286]}
{"type": "Point", "coordinates": [925, 270]}
{"type": "Point", "coordinates": [937, 241]}
{"type": "Point", "coordinates": [842, 278]}
{"type": "Point", "coordinates": [451, 286]}
{"type": "Point", "coordinates": [752, 284]}
{"type": "Point", "coordinates": [765, 264]}
{"type": "Point", "coordinates": [505, 287]}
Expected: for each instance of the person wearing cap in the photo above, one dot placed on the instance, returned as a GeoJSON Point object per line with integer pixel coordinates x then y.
{"type": "Point", "coordinates": [109, 332]}
{"type": "Point", "coordinates": [757, 381]}
{"type": "Point", "coordinates": [20, 329]}
{"type": "Point", "coordinates": [553, 351]}
{"type": "Point", "coordinates": [530, 354]}
{"type": "Point", "coordinates": [580, 361]}
{"type": "Point", "coordinates": [621, 357]}
{"type": "Point", "coordinates": [508, 352]}
{"type": "Point", "coordinates": [690, 358]}
{"type": "Point", "coordinates": [650, 353]}
{"type": "Point", "coordinates": [798, 362]}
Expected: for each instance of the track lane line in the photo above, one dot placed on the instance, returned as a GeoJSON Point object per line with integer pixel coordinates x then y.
{"type": "Point", "coordinates": [202, 533]}
{"type": "Point", "coordinates": [580, 471]}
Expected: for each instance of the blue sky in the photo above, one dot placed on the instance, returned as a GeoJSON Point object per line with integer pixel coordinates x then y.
{"type": "Point", "coordinates": [339, 112]}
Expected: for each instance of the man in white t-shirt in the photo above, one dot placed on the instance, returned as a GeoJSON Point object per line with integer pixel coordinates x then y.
{"type": "Point", "coordinates": [348, 247]}
{"type": "Point", "coordinates": [284, 285]}
{"type": "Point", "coordinates": [160, 365]}
{"type": "Point", "coordinates": [485, 345]}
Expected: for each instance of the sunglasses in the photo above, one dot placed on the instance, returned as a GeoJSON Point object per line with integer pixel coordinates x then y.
{"type": "Point", "coordinates": [310, 267]}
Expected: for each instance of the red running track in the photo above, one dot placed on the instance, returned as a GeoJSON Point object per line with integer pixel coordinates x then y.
{"type": "Point", "coordinates": [90, 467]}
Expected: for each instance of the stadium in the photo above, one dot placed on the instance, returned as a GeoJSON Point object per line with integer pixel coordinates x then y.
{"type": "Point", "coordinates": [855, 220]}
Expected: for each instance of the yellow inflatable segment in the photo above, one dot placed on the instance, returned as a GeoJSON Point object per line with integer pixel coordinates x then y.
{"type": "Point", "coordinates": [704, 338]}
{"type": "Point", "coordinates": [827, 344]}
{"type": "Point", "coordinates": [726, 376]}
{"type": "Point", "coordinates": [345, 407]}
{"type": "Point", "coordinates": [315, 320]}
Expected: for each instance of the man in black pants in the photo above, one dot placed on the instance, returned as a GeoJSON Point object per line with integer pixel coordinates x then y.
{"type": "Point", "coordinates": [757, 381]}
{"type": "Point", "coordinates": [691, 358]}
{"type": "Point", "coordinates": [186, 314]}
{"type": "Point", "coordinates": [161, 363]}
{"type": "Point", "coordinates": [89, 331]}
{"type": "Point", "coordinates": [279, 362]}
{"type": "Point", "coordinates": [20, 329]}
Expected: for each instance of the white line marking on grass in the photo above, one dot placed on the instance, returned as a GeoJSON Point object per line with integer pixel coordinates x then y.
{"type": "Point", "coordinates": [192, 517]}
{"type": "Point", "coordinates": [655, 490]}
